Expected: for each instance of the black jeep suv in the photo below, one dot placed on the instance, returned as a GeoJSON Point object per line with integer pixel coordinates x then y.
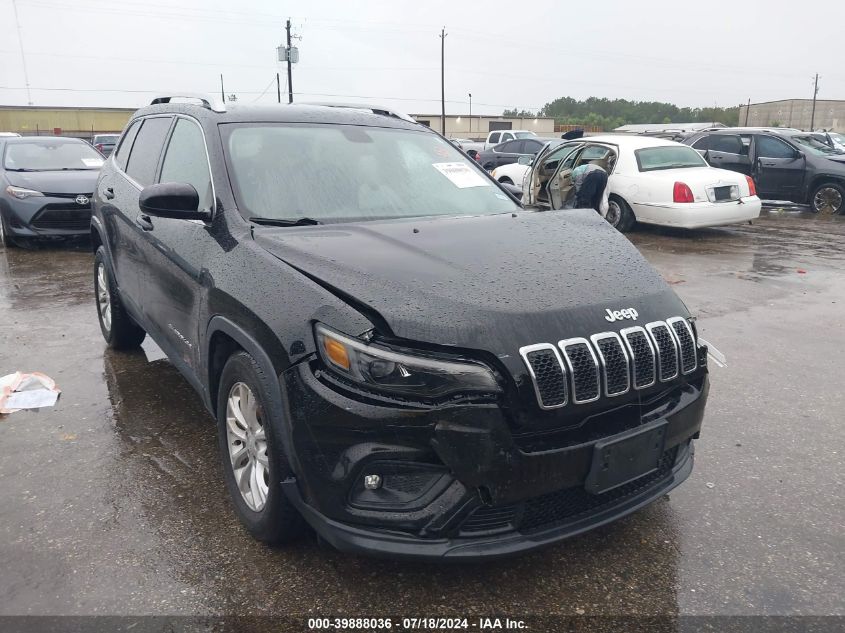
{"type": "Point", "coordinates": [394, 350]}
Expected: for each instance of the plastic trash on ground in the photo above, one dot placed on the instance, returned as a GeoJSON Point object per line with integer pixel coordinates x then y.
{"type": "Point", "coordinates": [27, 391]}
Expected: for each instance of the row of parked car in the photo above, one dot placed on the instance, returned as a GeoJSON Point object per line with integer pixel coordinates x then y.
{"type": "Point", "coordinates": [711, 178]}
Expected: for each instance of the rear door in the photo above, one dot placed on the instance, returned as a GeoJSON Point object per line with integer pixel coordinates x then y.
{"type": "Point", "coordinates": [176, 249]}
{"type": "Point", "coordinates": [508, 153]}
{"type": "Point", "coordinates": [778, 169]}
{"type": "Point", "coordinates": [727, 151]}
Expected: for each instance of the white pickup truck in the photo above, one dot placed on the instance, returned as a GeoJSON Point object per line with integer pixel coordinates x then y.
{"type": "Point", "coordinates": [494, 138]}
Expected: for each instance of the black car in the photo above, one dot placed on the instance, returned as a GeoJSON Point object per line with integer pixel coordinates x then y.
{"type": "Point", "coordinates": [394, 350]}
{"type": "Point", "coordinates": [47, 183]}
{"type": "Point", "coordinates": [785, 164]}
{"type": "Point", "coordinates": [510, 151]}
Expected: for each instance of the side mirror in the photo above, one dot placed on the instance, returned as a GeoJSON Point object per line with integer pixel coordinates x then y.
{"type": "Point", "coordinates": [525, 160]}
{"type": "Point", "coordinates": [799, 155]}
{"type": "Point", "coordinates": [177, 200]}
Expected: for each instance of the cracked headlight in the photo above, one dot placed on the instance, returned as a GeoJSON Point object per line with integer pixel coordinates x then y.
{"type": "Point", "coordinates": [401, 373]}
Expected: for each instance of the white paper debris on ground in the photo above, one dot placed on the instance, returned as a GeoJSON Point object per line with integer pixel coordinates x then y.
{"type": "Point", "coordinates": [27, 391]}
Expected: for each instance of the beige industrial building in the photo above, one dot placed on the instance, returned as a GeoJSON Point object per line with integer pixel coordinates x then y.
{"type": "Point", "coordinates": [60, 121]}
{"type": "Point", "coordinates": [478, 126]}
{"type": "Point", "coordinates": [797, 113]}
{"type": "Point", "coordinates": [85, 122]}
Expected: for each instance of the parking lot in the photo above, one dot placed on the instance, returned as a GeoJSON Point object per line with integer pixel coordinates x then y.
{"type": "Point", "coordinates": [113, 501]}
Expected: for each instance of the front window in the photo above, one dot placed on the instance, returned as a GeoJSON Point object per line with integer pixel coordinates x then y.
{"type": "Point", "coordinates": [341, 173]}
{"type": "Point", "coordinates": [816, 146]}
{"type": "Point", "coordinates": [51, 155]}
{"type": "Point", "coordinates": [668, 157]}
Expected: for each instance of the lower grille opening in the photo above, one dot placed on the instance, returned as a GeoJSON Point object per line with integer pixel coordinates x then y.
{"type": "Point", "coordinates": [63, 217]}
{"type": "Point", "coordinates": [563, 506]}
{"type": "Point", "coordinates": [570, 504]}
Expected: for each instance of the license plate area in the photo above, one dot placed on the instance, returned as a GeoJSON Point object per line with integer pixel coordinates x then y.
{"type": "Point", "coordinates": [724, 194]}
{"type": "Point", "coordinates": [626, 457]}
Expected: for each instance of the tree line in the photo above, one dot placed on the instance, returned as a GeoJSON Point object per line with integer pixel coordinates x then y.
{"type": "Point", "coordinates": [611, 113]}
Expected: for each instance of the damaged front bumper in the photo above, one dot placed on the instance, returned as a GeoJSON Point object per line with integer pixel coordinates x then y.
{"type": "Point", "coordinates": [458, 482]}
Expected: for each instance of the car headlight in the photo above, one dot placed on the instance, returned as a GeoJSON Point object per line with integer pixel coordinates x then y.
{"type": "Point", "coordinates": [20, 193]}
{"type": "Point", "coordinates": [401, 373]}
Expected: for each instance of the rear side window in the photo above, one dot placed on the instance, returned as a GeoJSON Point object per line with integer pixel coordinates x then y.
{"type": "Point", "coordinates": [703, 143]}
{"type": "Point", "coordinates": [531, 147]}
{"type": "Point", "coordinates": [186, 161]}
{"type": "Point", "coordinates": [769, 147]}
{"type": "Point", "coordinates": [494, 138]}
{"type": "Point", "coordinates": [122, 152]}
{"type": "Point", "coordinates": [146, 150]}
{"type": "Point", "coordinates": [727, 143]}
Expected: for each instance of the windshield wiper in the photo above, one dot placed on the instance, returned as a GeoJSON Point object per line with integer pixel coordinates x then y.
{"type": "Point", "coordinates": [284, 221]}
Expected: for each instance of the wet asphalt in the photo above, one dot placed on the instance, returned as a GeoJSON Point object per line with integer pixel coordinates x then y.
{"type": "Point", "coordinates": [113, 502]}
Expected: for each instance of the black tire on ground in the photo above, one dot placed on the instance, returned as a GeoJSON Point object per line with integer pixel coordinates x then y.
{"type": "Point", "coordinates": [118, 328]}
{"type": "Point", "coordinates": [5, 239]}
{"type": "Point", "coordinates": [619, 215]}
{"type": "Point", "coordinates": [277, 521]}
{"type": "Point", "coordinates": [828, 198]}
{"type": "Point", "coordinates": [506, 180]}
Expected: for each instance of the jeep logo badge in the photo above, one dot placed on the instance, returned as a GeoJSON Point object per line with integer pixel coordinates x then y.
{"type": "Point", "coordinates": [618, 315]}
{"type": "Point", "coordinates": [80, 199]}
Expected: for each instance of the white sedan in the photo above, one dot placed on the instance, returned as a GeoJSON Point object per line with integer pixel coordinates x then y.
{"type": "Point", "coordinates": [650, 180]}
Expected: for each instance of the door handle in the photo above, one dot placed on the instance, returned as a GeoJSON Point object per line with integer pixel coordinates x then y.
{"type": "Point", "coordinates": [768, 164]}
{"type": "Point", "coordinates": [144, 222]}
{"type": "Point", "coordinates": [108, 193]}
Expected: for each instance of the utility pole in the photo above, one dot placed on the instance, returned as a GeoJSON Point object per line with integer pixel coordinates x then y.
{"type": "Point", "coordinates": [23, 56]}
{"type": "Point", "coordinates": [470, 113]}
{"type": "Point", "coordinates": [747, 110]}
{"type": "Point", "coordinates": [815, 94]}
{"type": "Point", "coordinates": [290, 66]}
{"type": "Point", "coordinates": [443, 81]}
{"type": "Point", "coordinates": [278, 89]}
{"type": "Point", "coordinates": [222, 92]}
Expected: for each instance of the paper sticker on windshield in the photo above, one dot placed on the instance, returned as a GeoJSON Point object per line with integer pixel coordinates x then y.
{"type": "Point", "coordinates": [461, 175]}
{"type": "Point", "coordinates": [92, 162]}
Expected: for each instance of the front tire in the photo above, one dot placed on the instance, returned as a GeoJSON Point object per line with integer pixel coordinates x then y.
{"type": "Point", "coordinates": [254, 462]}
{"type": "Point", "coordinates": [619, 214]}
{"type": "Point", "coordinates": [5, 238]}
{"type": "Point", "coordinates": [118, 328]}
{"type": "Point", "coordinates": [828, 198]}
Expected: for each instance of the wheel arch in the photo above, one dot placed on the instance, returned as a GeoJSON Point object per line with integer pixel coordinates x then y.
{"type": "Point", "coordinates": [820, 179]}
{"type": "Point", "coordinates": [223, 338]}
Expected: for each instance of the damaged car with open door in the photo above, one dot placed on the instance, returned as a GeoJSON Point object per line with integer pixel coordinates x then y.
{"type": "Point", "coordinates": [395, 351]}
{"type": "Point", "coordinates": [654, 181]}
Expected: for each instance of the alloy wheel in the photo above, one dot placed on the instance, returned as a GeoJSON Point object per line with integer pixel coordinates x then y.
{"type": "Point", "coordinates": [827, 200]}
{"type": "Point", "coordinates": [247, 441]}
{"type": "Point", "coordinates": [103, 297]}
{"type": "Point", "coordinates": [614, 213]}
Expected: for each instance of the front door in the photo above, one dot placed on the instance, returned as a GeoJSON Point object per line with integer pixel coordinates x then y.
{"type": "Point", "coordinates": [176, 249]}
{"type": "Point", "coordinates": [778, 169]}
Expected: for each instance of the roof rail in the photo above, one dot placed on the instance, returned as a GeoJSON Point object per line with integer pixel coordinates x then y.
{"type": "Point", "coordinates": [215, 105]}
{"type": "Point", "coordinates": [375, 109]}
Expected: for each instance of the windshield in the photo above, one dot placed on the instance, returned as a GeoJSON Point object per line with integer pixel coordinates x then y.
{"type": "Point", "coordinates": [53, 155]}
{"type": "Point", "coordinates": [524, 134]}
{"type": "Point", "coordinates": [815, 146]}
{"type": "Point", "coordinates": [668, 157]}
{"type": "Point", "coordinates": [339, 173]}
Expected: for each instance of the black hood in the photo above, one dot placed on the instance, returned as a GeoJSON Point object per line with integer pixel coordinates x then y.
{"type": "Point", "coordinates": [82, 181]}
{"type": "Point", "coordinates": [487, 282]}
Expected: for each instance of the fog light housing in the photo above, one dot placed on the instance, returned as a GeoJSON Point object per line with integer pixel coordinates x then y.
{"type": "Point", "coordinates": [372, 482]}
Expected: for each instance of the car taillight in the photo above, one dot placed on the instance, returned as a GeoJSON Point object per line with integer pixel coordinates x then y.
{"type": "Point", "coordinates": [752, 188]}
{"type": "Point", "coordinates": [99, 147]}
{"type": "Point", "coordinates": [477, 157]}
{"type": "Point", "coordinates": [682, 193]}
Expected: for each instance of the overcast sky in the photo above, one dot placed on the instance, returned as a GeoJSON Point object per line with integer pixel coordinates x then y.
{"type": "Point", "coordinates": [507, 54]}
